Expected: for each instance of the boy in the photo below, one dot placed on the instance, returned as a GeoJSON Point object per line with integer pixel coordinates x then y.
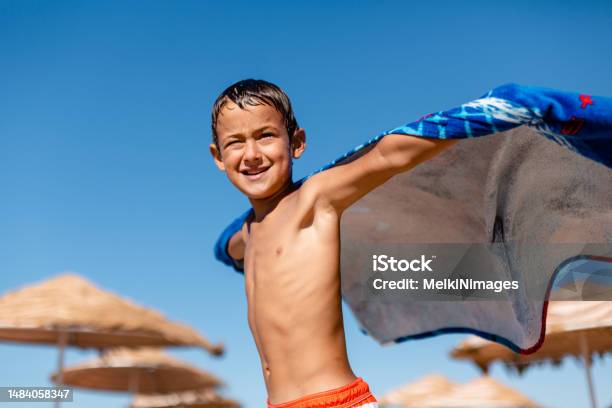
{"type": "Point", "coordinates": [289, 244]}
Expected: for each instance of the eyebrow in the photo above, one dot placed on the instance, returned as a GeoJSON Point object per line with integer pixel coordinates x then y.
{"type": "Point", "coordinates": [261, 129]}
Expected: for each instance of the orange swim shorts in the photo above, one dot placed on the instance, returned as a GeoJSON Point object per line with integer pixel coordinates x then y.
{"type": "Point", "coordinates": [355, 394]}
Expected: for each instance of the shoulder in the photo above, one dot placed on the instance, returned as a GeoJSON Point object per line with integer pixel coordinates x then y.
{"type": "Point", "coordinates": [312, 194]}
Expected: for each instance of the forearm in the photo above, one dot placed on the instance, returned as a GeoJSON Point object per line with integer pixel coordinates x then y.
{"type": "Point", "coordinates": [403, 152]}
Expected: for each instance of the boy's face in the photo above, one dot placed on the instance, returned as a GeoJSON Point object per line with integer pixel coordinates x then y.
{"type": "Point", "coordinates": [254, 149]}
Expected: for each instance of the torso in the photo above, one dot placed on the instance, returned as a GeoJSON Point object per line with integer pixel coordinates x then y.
{"type": "Point", "coordinates": [294, 302]}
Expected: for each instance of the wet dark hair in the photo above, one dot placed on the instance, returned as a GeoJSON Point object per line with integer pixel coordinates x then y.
{"type": "Point", "coordinates": [254, 92]}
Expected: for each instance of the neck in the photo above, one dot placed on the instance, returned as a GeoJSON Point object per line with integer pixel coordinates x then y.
{"type": "Point", "coordinates": [264, 206]}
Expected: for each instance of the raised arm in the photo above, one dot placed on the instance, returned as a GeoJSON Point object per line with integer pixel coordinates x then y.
{"type": "Point", "coordinates": [342, 185]}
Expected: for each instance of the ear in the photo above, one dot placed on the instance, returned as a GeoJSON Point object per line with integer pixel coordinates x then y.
{"type": "Point", "coordinates": [216, 154]}
{"type": "Point", "coordinates": [298, 143]}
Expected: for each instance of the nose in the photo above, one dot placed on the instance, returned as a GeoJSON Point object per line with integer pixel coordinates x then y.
{"type": "Point", "coordinates": [252, 153]}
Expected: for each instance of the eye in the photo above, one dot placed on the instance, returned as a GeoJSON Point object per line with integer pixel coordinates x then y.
{"type": "Point", "coordinates": [231, 142]}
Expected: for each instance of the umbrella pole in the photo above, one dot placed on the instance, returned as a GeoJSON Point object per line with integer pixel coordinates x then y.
{"type": "Point", "coordinates": [133, 382]}
{"type": "Point", "coordinates": [587, 367]}
{"type": "Point", "coordinates": [61, 342]}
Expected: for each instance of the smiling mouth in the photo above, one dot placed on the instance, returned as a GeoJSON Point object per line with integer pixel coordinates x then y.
{"type": "Point", "coordinates": [254, 174]}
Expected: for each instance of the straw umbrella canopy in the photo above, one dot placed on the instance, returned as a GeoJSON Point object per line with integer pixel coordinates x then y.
{"type": "Point", "coordinates": [187, 399]}
{"type": "Point", "coordinates": [69, 310]}
{"type": "Point", "coordinates": [482, 392]}
{"type": "Point", "coordinates": [412, 394]}
{"type": "Point", "coordinates": [579, 328]}
{"type": "Point", "coordinates": [146, 371]}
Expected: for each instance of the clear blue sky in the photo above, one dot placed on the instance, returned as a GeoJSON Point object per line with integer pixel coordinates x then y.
{"type": "Point", "coordinates": [104, 128]}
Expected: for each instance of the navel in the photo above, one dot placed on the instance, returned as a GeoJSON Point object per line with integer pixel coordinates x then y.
{"type": "Point", "coordinates": [266, 368]}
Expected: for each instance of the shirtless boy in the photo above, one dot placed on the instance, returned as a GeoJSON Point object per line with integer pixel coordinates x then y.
{"type": "Point", "coordinates": [289, 245]}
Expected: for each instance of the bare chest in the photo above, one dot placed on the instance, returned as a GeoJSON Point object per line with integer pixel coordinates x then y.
{"type": "Point", "coordinates": [289, 243]}
{"type": "Point", "coordinates": [269, 244]}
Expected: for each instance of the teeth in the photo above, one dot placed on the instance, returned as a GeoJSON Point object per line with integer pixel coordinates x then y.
{"type": "Point", "coordinates": [251, 173]}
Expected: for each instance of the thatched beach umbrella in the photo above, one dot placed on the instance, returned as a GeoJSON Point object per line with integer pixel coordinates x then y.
{"type": "Point", "coordinates": [412, 394]}
{"type": "Point", "coordinates": [483, 392]}
{"type": "Point", "coordinates": [145, 371]}
{"type": "Point", "coordinates": [187, 399]}
{"type": "Point", "coordinates": [579, 328]}
{"type": "Point", "coordinates": [69, 310]}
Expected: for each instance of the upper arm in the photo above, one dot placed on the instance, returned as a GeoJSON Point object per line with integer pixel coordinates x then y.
{"type": "Point", "coordinates": [344, 184]}
{"type": "Point", "coordinates": [235, 249]}
{"type": "Point", "coordinates": [236, 246]}
{"type": "Point", "coordinates": [229, 247]}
